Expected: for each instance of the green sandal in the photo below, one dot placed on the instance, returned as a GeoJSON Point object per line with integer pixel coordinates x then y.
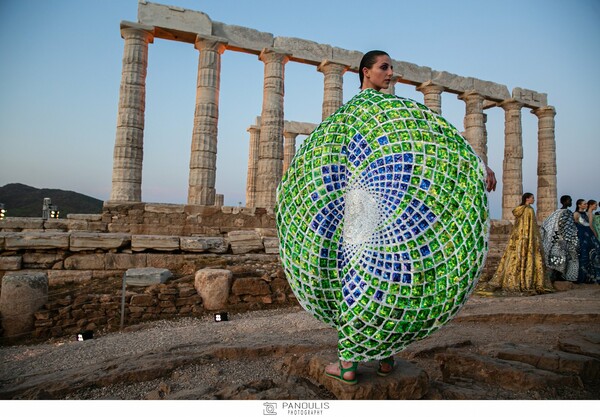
{"type": "Point", "coordinates": [343, 371]}
{"type": "Point", "coordinates": [387, 361]}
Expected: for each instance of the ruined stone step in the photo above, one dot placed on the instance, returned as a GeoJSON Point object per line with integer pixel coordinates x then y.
{"type": "Point", "coordinates": [510, 375]}
{"type": "Point", "coordinates": [443, 391]}
{"type": "Point", "coordinates": [586, 367]}
{"type": "Point", "coordinates": [588, 345]}
{"type": "Point", "coordinates": [406, 382]}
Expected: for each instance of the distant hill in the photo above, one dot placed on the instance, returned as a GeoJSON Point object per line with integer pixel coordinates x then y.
{"type": "Point", "coordinates": [24, 201]}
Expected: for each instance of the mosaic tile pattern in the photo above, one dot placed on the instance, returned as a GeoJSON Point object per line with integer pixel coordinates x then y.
{"type": "Point", "coordinates": [383, 223]}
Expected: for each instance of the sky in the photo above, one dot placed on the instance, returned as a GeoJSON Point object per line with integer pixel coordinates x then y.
{"type": "Point", "coordinates": [61, 71]}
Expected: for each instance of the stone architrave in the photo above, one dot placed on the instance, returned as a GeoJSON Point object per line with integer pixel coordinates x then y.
{"type": "Point", "coordinates": [546, 191]}
{"type": "Point", "coordinates": [474, 123]}
{"type": "Point", "coordinates": [203, 159]}
{"type": "Point", "coordinates": [213, 286]}
{"type": "Point", "coordinates": [333, 93]}
{"type": "Point", "coordinates": [252, 165]}
{"type": "Point", "coordinates": [23, 294]}
{"type": "Point", "coordinates": [289, 148]}
{"type": "Point", "coordinates": [270, 155]}
{"type": "Point", "coordinates": [512, 168]}
{"type": "Point", "coordinates": [432, 96]}
{"type": "Point", "coordinates": [129, 142]}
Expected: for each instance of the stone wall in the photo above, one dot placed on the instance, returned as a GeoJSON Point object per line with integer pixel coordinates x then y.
{"type": "Point", "coordinates": [86, 256]}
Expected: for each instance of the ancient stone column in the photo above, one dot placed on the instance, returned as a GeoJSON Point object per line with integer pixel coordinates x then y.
{"type": "Point", "coordinates": [474, 123]}
{"type": "Point", "coordinates": [252, 166]}
{"type": "Point", "coordinates": [512, 168]}
{"type": "Point", "coordinates": [333, 94]}
{"type": "Point", "coordinates": [219, 200]}
{"type": "Point", "coordinates": [203, 158]}
{"type": "Point", "coordinates": [129, 142]}
{"type": "Point", "coordinates": [546, 198]}
{"type": "Point", "coordinates": [270, 149]}
{"type": "Point", "coordinates": [432, 96]}
{"type": "Point", "coordinates": [289, 148]}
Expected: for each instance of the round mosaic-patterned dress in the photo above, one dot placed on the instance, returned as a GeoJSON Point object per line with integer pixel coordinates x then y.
{"type": "Point", "coordinates": [383, 223]}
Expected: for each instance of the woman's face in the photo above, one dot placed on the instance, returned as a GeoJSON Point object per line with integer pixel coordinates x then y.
{"type": "Point", "coordinates": [582, 205]}
{"type": "Point", "coordinates": [593, 206]}
{"type": "Point", "coordinates": [380, 74]}
{"type": "Point", "coordinates": [530, 200]}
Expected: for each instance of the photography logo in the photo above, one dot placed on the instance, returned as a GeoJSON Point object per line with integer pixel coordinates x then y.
{"type": "Point", "coordinates": [270, 409]}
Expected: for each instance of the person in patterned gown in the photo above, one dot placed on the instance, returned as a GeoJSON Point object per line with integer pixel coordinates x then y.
{"type": "Point", "coordinates": [560, 242]}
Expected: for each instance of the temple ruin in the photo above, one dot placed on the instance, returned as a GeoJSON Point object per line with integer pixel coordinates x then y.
{"type": "Point", "coordinates": [268, 155]}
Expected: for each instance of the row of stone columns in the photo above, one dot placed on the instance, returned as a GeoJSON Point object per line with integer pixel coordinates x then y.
{"type": "Point", "coordinates": [266, 146]}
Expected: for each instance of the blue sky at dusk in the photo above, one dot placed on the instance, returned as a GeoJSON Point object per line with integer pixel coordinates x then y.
{"type": "Point", "coordinates": [61, 70]}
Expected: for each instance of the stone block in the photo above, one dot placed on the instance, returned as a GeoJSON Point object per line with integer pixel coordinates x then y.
{"type": "Point", "coordinates": [242, 38]}
{"type": "Point", "coordinates": [91, 261]}
{"type": "Point", "coordinates": [303, 50]}
{"type": "Point", "coordinates": [81, 241]}
{"type": "Point", "coordinates": [164, 208]}
{"type": "Point", "coordinates": [142, 300]}
{"type": "Point", "coordinates": [213, 285]}
{"type": "Point", "coordinates": [85, 217]}
{"type": "Point", "coordinates": [125, 260]}
{"type": "Point", "coordinates": [41, 260]}
{"type": "Point", "coordinates": [23, 294]}
{"type": "Point", "coordinates": [250, 286]}
{"type": "Point", "coordinates": [61, 277]}
{"type": "Point", "coordinates": [412, 72]}
{"type": "Point", "coordinates": [10, 263]}
{"type": "Point", "coordinates": [245, 241]}
{"type": "Point", "coordinates": [147, 276]}
{"type": "Point", "coordinates": [20, 223]}
{"type": "Point", "coordinates": [155, 242]}
{"type": "Point", "coordinates": [529, 97]}
{"type": "Point", "coordinates": [37, 240]}
{"type": "Point", "coordinates": [172, 17]}
{"type": "Point", "coordinates": [79, 225]}
{"type": "Point", "coordinates": [56, 224]}
{"type": "Point", "coordinates": [203, 244]}
{"type": "Point", "coordinates": [2, 235]}
{"type": "Point", "coordinates": [271, 245]}
{"type": "Point", "coordinates": [492, 90]}
{"type": "Point", "coordinates": [344, 56]}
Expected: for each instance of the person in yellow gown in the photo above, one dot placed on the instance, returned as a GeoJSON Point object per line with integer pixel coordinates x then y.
{"type": "Point", "coordinates": [521, 269]}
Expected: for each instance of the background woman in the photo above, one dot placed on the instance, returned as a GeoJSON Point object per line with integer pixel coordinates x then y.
{"type": "Point", "coordinates": [589, 246]}
{"type": "Point", "coordinates": [521, 269]}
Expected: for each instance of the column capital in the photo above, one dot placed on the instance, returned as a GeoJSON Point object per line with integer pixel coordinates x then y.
{"type": "Point", "coordinates": [131, 30]}
{"type": "Point", "coordinates": [511, 104]}
{"type": "Point", "coordinates": [326, 66]}
{"type": "Point", "coordinates": [547, 111]}
{"type": "Point", "coordinates": [429, 87]}
{"type": "Point", "coordinates": [253, 129]}
{"type": "Point", "coordinates": [470, 95]}
{"type": "Point", "coordinates": [272, 55]}
{"type": "Point", "coordinates": [210, 43]}
{"type": "Point", "coordinates": [290, 135]}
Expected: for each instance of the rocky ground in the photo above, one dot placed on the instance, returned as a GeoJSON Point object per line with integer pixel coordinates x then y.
{"type": "Point", "coordinates": [498, 347]}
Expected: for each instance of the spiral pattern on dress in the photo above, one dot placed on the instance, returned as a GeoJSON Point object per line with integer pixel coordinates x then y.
{"type": "Point", "coordinates": [383, 223]}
